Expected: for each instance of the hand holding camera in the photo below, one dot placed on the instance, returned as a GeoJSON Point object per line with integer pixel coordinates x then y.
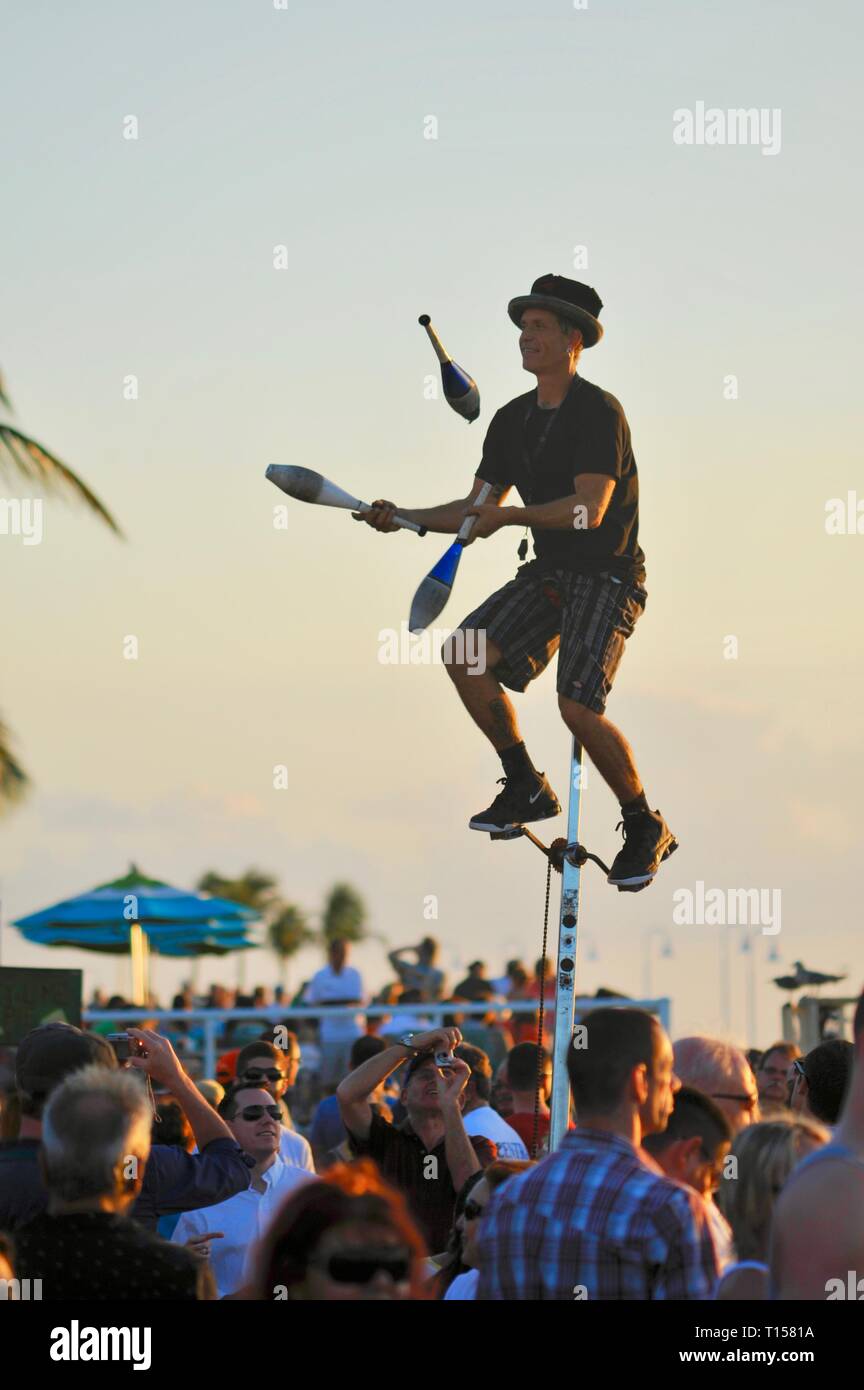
{"type": "Point", "coordinates": [125, 1046]}
{"type": "Point", "coordinates": [153, 1054]}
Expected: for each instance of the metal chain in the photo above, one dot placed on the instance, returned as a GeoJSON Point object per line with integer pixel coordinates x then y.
{"type": "Point", "coordinates": [541, 1014]}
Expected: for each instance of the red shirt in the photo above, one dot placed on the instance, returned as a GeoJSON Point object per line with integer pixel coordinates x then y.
{"type": "Point", "coordinates": [523, 1124]}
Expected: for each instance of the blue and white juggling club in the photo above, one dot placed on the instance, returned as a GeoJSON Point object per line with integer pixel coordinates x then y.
{"type": "Point", "coordinates": [434, 591]}
{"type": "Point", "coordinates": [460, 389]}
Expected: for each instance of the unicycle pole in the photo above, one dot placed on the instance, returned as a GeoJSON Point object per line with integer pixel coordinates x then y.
{"type": "Point", "coordinates": [565, 978]}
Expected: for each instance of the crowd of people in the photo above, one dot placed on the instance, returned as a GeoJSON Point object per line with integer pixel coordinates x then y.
{"type": "Point", "coordinates": [690, 1169]}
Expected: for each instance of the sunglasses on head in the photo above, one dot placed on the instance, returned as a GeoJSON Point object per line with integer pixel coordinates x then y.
{"type": "Point", "coordinates": [259, 1073]}
{"type": "Point", "coordinates": [255, 1112]}
{"type": "Point", "coordinates": [361, 1266]}
{"type": "Point", "coordinates": [472, 1210]}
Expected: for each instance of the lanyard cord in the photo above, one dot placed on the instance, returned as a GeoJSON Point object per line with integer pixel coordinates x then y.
{"type": "Point", "coordinates": [531, 456]}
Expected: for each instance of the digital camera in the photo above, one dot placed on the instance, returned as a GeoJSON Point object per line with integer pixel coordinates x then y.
{"type": "Point", "coordinates": [126, 1047]}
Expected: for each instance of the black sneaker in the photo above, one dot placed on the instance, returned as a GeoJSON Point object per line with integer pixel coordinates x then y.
{"type": "Point", "coordinates": [647, 842]}
{"type": "Point", "coordinates": [523, 799]}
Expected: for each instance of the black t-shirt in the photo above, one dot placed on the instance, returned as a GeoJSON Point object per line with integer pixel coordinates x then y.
{"type": "Point", "coordinates": [101, 1255]}
{"type": "Point", "coordinates": [427, 1188]}
{"type": "Point", "coordinates": [588, 433]}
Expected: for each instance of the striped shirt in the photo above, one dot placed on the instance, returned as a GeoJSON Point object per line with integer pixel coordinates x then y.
{"type": "Point", "coordinates": [592, 1221]}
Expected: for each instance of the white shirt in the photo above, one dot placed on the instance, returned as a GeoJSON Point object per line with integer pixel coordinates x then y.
{"type": "Point", "coordinates": [486, 1123]}
{"type": "Point", "coordinates": [242, 1219]}
{"type": "Point", "coordinates": [326, 986]}
{"type": "Point", "coordinates": [464, 1285]}
{"type": "Point", "coordinates": [295, 1150]}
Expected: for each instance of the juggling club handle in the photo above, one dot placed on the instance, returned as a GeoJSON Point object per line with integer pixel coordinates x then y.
{"type": "Point", "coordinates": [440, 351]}
{"type": "Point", "coordinates": [402, 521]}
{"type": "Point", "coordinates": [468, 524]}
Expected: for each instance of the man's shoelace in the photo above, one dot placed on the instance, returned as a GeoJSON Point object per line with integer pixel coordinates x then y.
{"type": "Point", "coordinates": [510, 789]}
{"type": "Point", "coordinates": [641, 831]}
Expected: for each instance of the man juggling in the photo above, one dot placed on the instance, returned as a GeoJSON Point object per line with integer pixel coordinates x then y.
{"type": "Point", "coordinates": [565, 447]}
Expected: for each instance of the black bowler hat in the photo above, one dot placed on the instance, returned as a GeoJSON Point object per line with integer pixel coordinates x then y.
{"type": "Point", "coordinates": [568, 298]}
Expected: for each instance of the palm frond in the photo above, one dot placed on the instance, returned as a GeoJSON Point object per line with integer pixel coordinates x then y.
{"type": "Point", "coordinates": [19, 453]}
{"type": "Point", "coordinates": [14, 782]}
{"type": "Point", "coordinates": [4, 398]}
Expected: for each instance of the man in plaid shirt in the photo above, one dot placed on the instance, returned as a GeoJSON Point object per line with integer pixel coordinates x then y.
{"type": "Point", "coordinates": [597, 1219]}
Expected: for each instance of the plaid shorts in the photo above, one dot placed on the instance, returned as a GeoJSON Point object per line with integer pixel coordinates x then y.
{"type": "Point", "coordinates": [587, 616]}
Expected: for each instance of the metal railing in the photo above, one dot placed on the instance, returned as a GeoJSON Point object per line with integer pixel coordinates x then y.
{"type": "Point", "coordinates": [213, 1021]}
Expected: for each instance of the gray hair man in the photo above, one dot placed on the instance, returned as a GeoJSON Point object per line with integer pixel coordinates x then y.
{"type": "Point", "coordinates": [720, 1071]}
{"type": "Point", "coordinates": [95, 1147]}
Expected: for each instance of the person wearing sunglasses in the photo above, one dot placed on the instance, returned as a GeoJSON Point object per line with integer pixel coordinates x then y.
{"type": "Point", "coordinates": [818, 1083]}
{"type": "Point", "coordinates": [464, 1286]}
{"type": "Point", "coordinates": [266, 1066]}
{"type": "Point", "coordinates": [720, 1071]}
{"type": "Point", "coordinates": [771, 1072]}
{"type": "Point", "coordinates": [346, 1238]}
{"type": "Point", "coordinates": [225, 1234]}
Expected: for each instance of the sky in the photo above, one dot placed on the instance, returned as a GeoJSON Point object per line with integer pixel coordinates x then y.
{"type": "Point", "coordinates": [255, 262]}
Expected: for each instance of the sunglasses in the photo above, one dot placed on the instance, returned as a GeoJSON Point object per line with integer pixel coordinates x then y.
{"type": "Point", "coordinates": [255, 1112]}
{"type": "Point", "coordinates": [473, 1210]}
{"type": "Point", "coordinates": [748, 1102]}
{"type": "Point", "coordinates": [361, 1266]}
{"type": "Point", "coordinates": [259, 1074]}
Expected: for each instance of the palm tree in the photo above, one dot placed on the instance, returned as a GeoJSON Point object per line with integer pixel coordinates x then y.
{"type": "Point", "coordinates": [287, 925]}
{"type": "Point", "coordinates": [13, 778]}
{"type": "Point", "coordinates": [288, 931]}
{"type": "Point", "coordinates": [254, 888]}
{"type": "Point", "coordinates": [22, 457]}
{"type": "Point", "coordinates": [344, 914]}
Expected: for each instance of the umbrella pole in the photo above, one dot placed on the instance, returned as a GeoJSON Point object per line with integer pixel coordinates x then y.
{"type": "Point", "coordinates": [145, 968]}
{"type": "Point", "coordinates": [136, 956]}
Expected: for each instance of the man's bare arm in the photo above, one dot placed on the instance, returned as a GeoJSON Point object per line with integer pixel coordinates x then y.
{"type": "Point", "coordinates": [353, 1093]}
{"type": "Point", "coordinates": [458, 1149]}
{"type": "Point", "coordinates": [583, 510]}
{"type": "Point", "coordinates": [817, 1231]}
{"type": "Point", "coordinates": [162, 1064]}
{"type": "Point", "coordinates": [445, 518]}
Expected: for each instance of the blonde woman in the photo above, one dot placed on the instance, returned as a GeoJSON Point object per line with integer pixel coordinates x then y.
{"type": "Point", "coordinates": [765, 1153]}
